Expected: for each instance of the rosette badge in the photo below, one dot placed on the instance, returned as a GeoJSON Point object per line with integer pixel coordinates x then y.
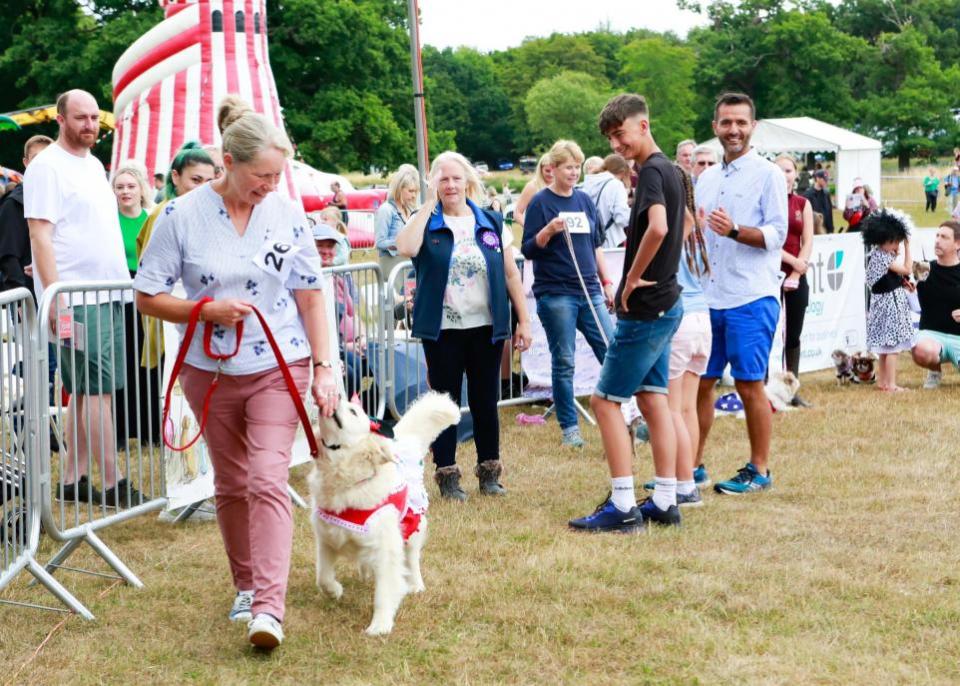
{"type": "Point", "coordinates": [490, 239]}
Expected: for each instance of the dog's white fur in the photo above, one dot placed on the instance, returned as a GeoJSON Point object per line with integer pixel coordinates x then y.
{"type": "Point", "coordinates": [781, 388]}
{"type": "Point", "coordinates": [356, 469]}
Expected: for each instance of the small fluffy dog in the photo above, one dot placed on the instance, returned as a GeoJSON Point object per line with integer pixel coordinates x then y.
{"type": "Point", "coordinates": [781, 388]}
{"type": "Point", "coordinates": [369, 501]}
{"type": "Point", "coordinates": [921, 270]}
{"type": "Point", "coordinates": [863, 367]}
{"type": "Point", "coordinates": [844, 364]}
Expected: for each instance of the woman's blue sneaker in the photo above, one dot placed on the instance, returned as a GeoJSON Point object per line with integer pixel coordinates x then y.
{"type": "Point", "coordinates": [700, 477]}
{"type": "Point", "coordinates": [607, 518]}
{"type": "Point", "coordinates": [747, 480]}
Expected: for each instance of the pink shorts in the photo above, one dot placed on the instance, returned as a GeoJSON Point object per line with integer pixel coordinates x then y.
{"type": "Point", "coordinates": [690, 346]}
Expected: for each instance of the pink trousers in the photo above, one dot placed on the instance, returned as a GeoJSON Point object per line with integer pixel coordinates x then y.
{"type": "Point", "coordinates": [249, 433]}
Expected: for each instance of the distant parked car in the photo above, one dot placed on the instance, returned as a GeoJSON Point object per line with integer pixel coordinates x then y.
{"type": "Point", "coordinates": [504, 165]}
{"type": "Point", "coordinates": [528, 164]}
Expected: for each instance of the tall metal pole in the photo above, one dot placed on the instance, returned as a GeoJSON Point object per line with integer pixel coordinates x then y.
{"type": "Point", "coordinates": [419, 107]}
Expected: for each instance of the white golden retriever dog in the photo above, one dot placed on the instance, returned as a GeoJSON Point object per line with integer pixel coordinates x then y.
{"type": "Point", "coordinates": [368, 497]}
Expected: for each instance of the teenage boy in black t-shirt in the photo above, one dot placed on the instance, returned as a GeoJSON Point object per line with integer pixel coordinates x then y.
{"type": "Point", "coordinates": [649, 312]}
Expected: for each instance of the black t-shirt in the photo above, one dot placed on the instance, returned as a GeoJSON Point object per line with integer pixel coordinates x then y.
{"type": "Point", "coordinates": [657, 184]}
{"type": "Point", "coordinates": [939, 295]}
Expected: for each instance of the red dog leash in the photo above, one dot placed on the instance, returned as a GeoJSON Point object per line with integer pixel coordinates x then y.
{"type": "Point", "coordinates": [207, 340]}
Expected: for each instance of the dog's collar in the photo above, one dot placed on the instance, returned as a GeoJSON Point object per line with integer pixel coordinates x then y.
{"type": "Point", "coordinates": [333, 446]}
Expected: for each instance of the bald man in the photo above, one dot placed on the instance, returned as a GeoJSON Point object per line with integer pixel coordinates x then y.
{"type": "Point", "coordinates": [75, 236]}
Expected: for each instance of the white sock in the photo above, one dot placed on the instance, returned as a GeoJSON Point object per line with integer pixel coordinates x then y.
{"type": "Point", "coordinates": [622, 494]}
{"type": "Point", "coordinates": [686, 487]}
{"type": "Point", "coordinates": [664, 492]}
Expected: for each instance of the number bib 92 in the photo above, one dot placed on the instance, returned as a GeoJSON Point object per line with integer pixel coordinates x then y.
{"type": "Point", "coordinates": [575, 222]}
{"type": "Point", "coordinates": [276, 258]}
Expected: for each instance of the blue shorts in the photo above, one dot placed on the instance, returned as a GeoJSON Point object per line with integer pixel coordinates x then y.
{"type": "Point", "coordinates": [638, 359]}
{"type": "Point", "coordinates": [743, 337]}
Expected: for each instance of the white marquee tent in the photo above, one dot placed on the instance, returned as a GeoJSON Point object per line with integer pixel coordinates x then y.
{"type": "Point", "coordinates": [856, 156]}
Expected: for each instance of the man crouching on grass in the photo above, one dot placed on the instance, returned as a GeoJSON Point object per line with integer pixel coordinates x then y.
{"type": "Point", "coordinates": [648, 313]}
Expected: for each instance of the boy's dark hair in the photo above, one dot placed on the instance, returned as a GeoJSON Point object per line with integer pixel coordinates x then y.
{"type": "Point", "coordinates": [620, 108]}
{"type": "Point", "coordinates": [953, 226]}
{"type": "Point", "coordinates": [734, 99]}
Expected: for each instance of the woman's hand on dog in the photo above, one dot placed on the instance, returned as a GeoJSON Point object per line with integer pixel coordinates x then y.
{"type": "Point", "coordinates": [324, 389]}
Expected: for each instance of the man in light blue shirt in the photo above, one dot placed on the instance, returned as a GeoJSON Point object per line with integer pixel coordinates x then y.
{"type": "Point", "coordinates": [743, 203]}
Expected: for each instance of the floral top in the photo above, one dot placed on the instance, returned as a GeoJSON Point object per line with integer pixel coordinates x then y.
{"type": "Point", "coordinates": [195, 240]}
{"type": "Point", "coordinates": [889, 321]}
{"type": "Point", "coordinates": [466, 302]}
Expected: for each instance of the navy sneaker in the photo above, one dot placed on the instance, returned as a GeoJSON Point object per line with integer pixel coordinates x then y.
{"type": "Point", "coordinates": [700, 477]}
{"type": "Point", "coordinates": [690, 499]}
{"type": "Point", "coordinates": [649, 512]}
{"type": "Point", "coordinates": [607, 518]}
{"type": "Point", "coordinates": [747, 480]}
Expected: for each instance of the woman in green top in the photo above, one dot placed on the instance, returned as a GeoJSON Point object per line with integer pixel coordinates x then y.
{"type": "Point", "coordinates": [141, 396]}
{"type": "Point", "coordinates": [930, 184]}
{"type": "Point", "coordinates": [133, 199]}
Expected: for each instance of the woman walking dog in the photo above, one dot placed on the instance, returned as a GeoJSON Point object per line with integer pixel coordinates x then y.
{"type": "Point", "coordinates": [237, 241]}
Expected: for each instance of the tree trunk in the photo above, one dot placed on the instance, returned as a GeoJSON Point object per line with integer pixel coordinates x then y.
{"type": "Point", "coordinates": [903, 159]}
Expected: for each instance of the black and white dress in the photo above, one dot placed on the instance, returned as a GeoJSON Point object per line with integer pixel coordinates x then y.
{"type": "Point", "coordinates": [889, 322]}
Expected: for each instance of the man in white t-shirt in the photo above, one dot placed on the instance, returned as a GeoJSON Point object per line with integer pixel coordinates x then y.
{"type": "Point", "coordinates": [75, 235]}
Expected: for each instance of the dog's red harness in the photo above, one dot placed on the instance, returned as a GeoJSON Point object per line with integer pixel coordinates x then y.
{"type": "Point", "coordinates": [220, 359]}
{"type": "Point", "coordinates": [356, 520]}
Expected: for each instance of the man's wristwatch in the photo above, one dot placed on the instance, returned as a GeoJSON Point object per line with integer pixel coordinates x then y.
{"type": "Point", "coordinates": [734, 232]}
{"type": "Point", "coordinates": [326, 364]}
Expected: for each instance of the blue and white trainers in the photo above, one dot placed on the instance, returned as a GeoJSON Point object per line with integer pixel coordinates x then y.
{"type": "Point", "coordinates": [649, 512]}
{"type": "Point", "coordinates": [607, 518]}
{"type": "Point", "coordinates": [700, 477]}
{"type": "Point", "coordinates": [242, 610]}
{"type": "Point", "coordinates": [747, 480]}
{"type": "Point", "coordinates": [572, 438]}
{"type": "Point", "coordinates": [690, 499]}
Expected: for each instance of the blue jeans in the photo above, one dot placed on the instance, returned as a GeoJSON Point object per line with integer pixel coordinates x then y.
{"type": "Point", "coordinates": [562, 316]}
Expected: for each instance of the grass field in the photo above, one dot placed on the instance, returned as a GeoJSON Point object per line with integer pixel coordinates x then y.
{"type": "Point", "coordinates": [846, 573]}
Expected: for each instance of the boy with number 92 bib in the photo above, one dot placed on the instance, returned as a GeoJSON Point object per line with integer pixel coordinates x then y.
{"type": "Point", "coordinates": [648, 312]}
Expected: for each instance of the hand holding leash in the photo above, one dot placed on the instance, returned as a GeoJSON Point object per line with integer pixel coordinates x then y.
{"type": "Point", "coordinates": [227, 312]}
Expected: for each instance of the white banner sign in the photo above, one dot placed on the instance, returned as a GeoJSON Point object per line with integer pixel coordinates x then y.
{"type": "Point", "coordinates": [836, 315]}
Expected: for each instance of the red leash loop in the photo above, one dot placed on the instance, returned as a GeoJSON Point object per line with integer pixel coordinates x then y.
{"type": "Point", "coordinates": [207, 343]}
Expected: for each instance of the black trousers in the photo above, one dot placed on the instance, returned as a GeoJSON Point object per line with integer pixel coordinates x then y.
{"type": "Point", "coordinates": [148, 382]}
{"type": "Point", "coordinates": [931, 202]}
{"type": "Point", "coordinates": [795, 308]}
{"type": "Point", "coordinates": [459, 351]}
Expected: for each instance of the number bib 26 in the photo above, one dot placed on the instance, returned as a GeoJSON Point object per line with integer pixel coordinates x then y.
{"type": "Point", "coordinates": [276, 258]}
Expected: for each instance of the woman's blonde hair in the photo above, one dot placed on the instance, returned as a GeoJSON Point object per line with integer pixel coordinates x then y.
{"type": "Point", "coordinates": [787, 156]}
{"type": "Point", "coordinates": [475, 189]}
{"type": "Point", "coordinates": [331, 216]}
{"type": "Point", "coordinates": [564, 150]}
{"type": "Point", "coordinates": [247, 133]}
{"type": "Point", "coordinates": [406, 176]}
{"type": "Point", "coordinates": [139, 174]}
{"type": "Point", "coordinates": [539, 181]}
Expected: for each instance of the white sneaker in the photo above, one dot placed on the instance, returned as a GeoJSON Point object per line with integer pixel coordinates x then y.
{"type": "Point", "coordinates": [264, 631]}
{"type": "Point", "coordinates": [242, 610]}
{"type": "Point", "coordinates": [933, 380]}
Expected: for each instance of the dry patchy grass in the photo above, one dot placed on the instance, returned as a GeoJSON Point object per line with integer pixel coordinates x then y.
{"type": "Point", "coordinates": [845, 573]}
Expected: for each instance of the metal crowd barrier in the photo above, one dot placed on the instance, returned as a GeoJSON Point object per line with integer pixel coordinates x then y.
{"type": "Point", "coordinates": [359, 298]}
{"type": "Point", "coordinates": [110, 436]}
{"type": "Point", "coordinates": [22, 391]}
{"type": "Point", "coordinates": [406, 377]}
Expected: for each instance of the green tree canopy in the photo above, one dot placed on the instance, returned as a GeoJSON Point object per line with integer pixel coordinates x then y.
{"type": "Point", "coordinates": [566, 106]}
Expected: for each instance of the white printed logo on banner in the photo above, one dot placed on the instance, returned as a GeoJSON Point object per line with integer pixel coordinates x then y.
{"type": "Point", "coordinates": [836, 314]}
